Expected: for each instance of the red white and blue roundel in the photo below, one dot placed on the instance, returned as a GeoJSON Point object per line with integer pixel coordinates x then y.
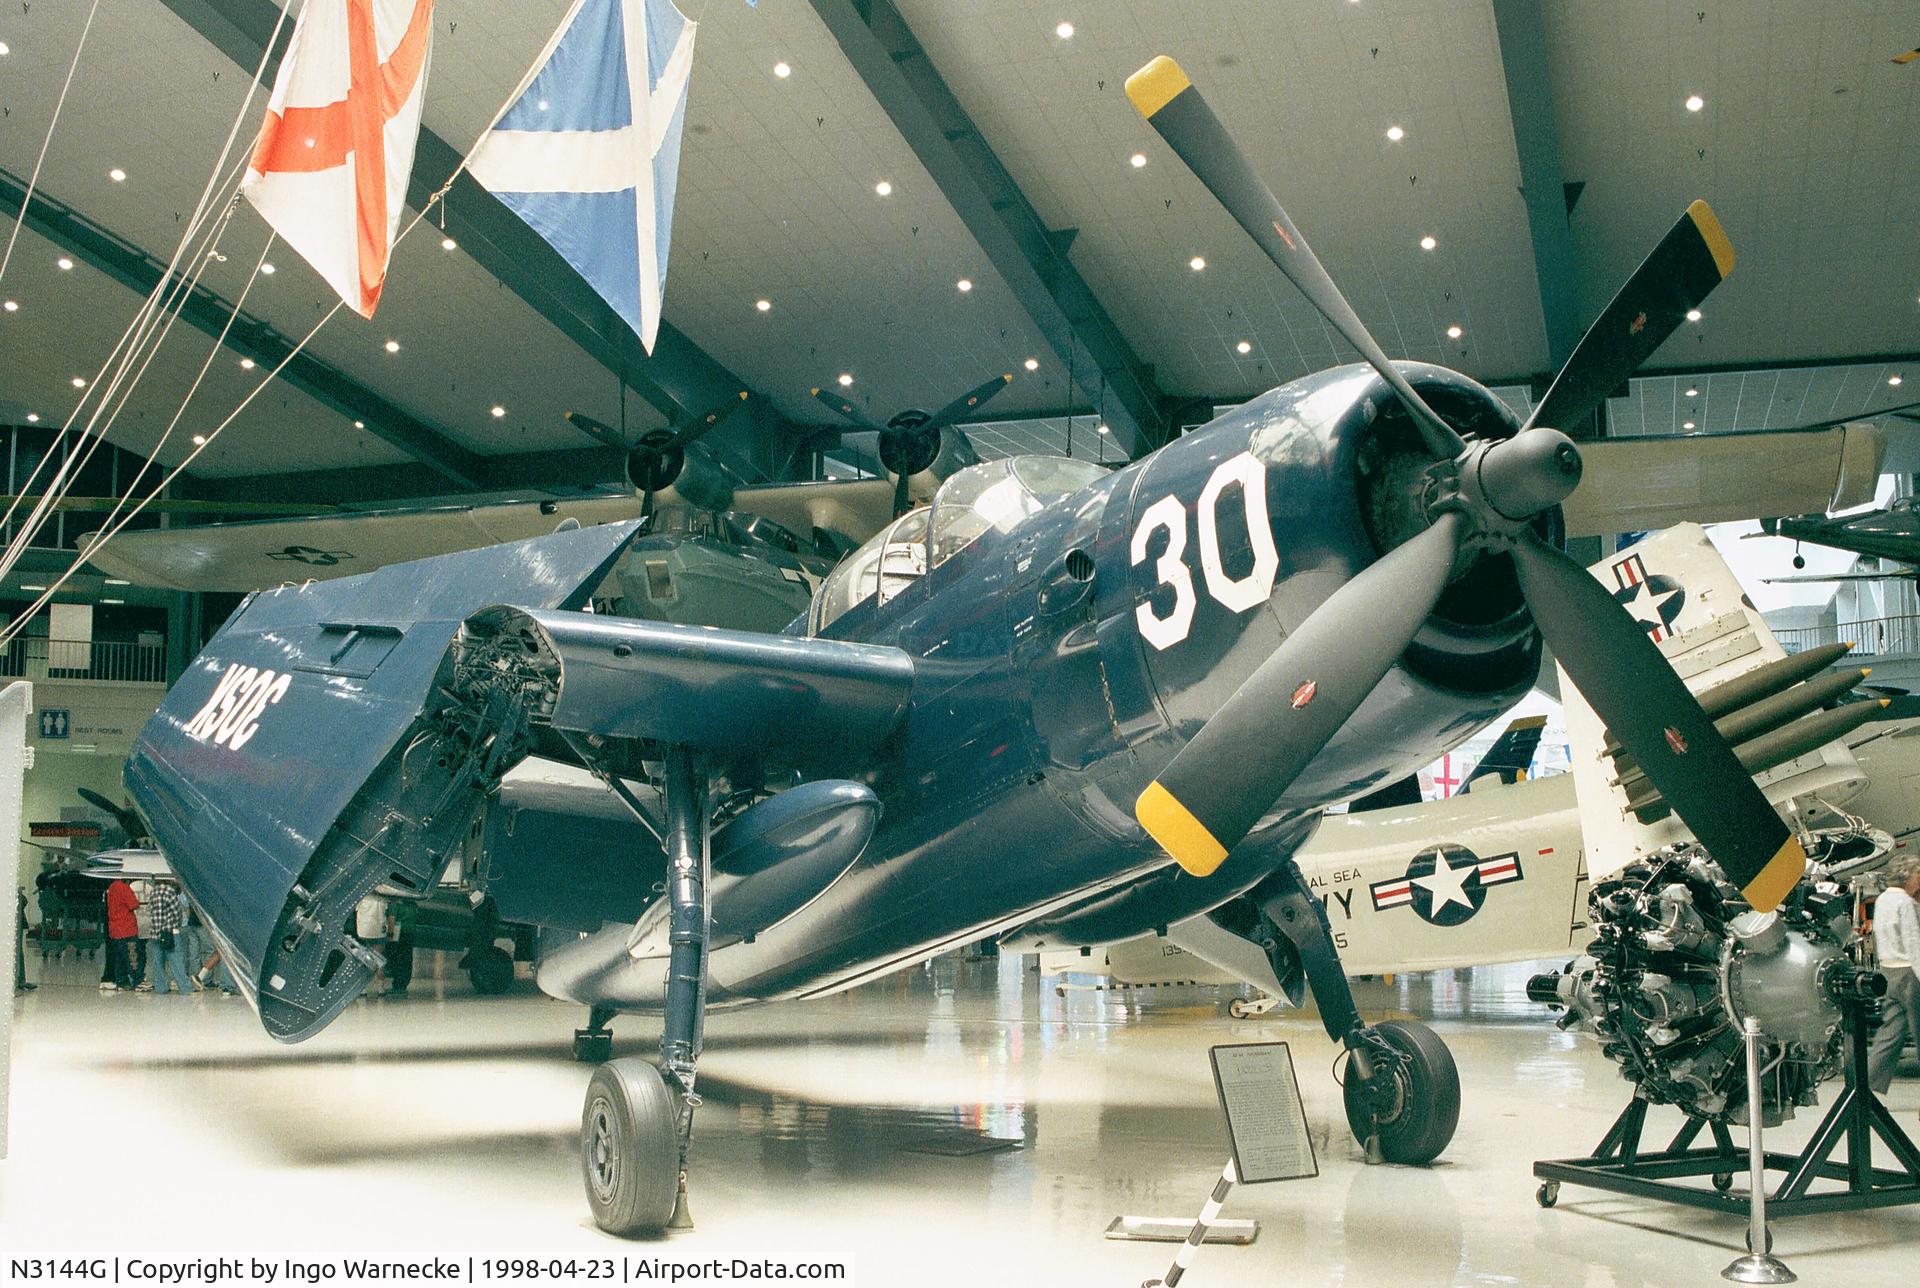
{"type": "Point", "coordinates": [1653, 599]}
{"type": "Point", "coordinates": [1447, 884]}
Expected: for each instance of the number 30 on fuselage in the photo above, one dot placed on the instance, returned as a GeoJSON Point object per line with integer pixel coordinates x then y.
{"type": "Point", "coordinates": [1236, 594]}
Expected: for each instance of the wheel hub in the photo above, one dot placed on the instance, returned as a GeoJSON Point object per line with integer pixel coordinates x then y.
{"type": "Point", "coordinates": [603, 1150]}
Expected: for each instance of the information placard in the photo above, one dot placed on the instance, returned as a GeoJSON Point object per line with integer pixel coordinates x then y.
{"type": "Point", "coordinates": [1265, 1117]}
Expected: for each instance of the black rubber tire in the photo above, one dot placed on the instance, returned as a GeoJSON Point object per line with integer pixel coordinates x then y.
{"type": "Point", "coordinates": [1427, 1106]}
{"type": "Point", "coordinates": [629, 1148]}
{"type": "Point", "coordinates": [490, 969]}
{"type": "Point", "coordinates": [1548, 1194]}
{"type": "Point", "coordinates": [1723, 1181]}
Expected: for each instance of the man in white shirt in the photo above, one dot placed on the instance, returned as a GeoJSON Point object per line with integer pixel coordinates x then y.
{"type": "Point", "coordinates": [1896, 950]}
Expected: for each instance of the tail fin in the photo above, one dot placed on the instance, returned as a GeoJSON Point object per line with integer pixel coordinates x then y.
{"type": "Point", "coordinates": [1511, 755]}
{"type": "Point", "coordinates": [1677, 585]}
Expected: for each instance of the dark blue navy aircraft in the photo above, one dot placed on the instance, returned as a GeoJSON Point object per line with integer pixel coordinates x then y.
{"type": "Point", "coordinates": [1100, 701]}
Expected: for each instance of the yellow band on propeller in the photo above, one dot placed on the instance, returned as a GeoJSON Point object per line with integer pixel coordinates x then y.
{"type": "Point", "coordinates": [1783, 871]}
{"type": "Point", "coordinates": [1155, 85]}
{"type": "Point", "coordinates": [1713, 235]}
{"type": "Point", "coordinates": [1180, 834]}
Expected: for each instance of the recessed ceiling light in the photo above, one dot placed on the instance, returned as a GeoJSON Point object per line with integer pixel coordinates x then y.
{"type": "Point", "coordinates": [117, 175]}
{"type": "Point", "coordinates": [845, 379]}
{"type": "Point", "coordinates": [1031, 364]}
{"type": "Point", "coordinates": [66, 265]}
{"type": "Point", "coordinates": [763, 305]}
{"type": "Point", "coordinates": [1695, 102]}
{"type": "Point", "coordinates": [964, 285]}
{"type": "Point", "coordinates": [1686, 424]}
{"type": "Point", "coordinates": [1245, 346]}
{"type": "Point", "coordinates": [33, 418]}
{"type": "Point", "coordinates": [118, 581]}
{"type": "Point", "coordinates": [13, 306]}
{"type": "Point", "coordinates": [448, 243]}
{"type": "Point", "coordinates": [393, 346]}
{"type": "Point", "coordinates": [1137, 160]}
{"type": "Point", "coordinates": [26, 587]}
{"type": "Point", "coordinates": [1894, 381]}
{"type": "Point", "coordinates": [1428, 242]}
{"type": "Point", "coordinates": [1454, 332]}
{"type": "Point", "coordinates": [359, 424]}
{"type": "Point", "coordinates": [1693, 315]}
{"type": "Point", "coordinates": [1693, 393]}
{"type": "Point", "coordinates": [543, 105]}
{"type": "Point", "coordinates": [5, 49]}
{"type": "Point", "coordinates": [884, 188]}
{"type": "Point", "coordinates": [268, 269]}
{"type": "Point", "coordinates": [79, 382]}
{"type": "Point", "coordinates": [1196, 263]}
{"type": "Point", "coordinates": [782, 70]}
{"type": "Point", "coordinates": [1103, 429]}
{"type": "Point", "coordinates": [498, 411]}
{"type": "Point", "coordinates": [246, 364]}
{"type": "Point", "coordinates": [1395, 133]}
{"type": "Point", "coordinates": [199, 440]}
{"type": "Point", "coordinates": [1064, 31]}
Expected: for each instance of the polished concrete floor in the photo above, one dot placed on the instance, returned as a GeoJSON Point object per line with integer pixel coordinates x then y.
{"type": "Point", "coordinates": [867, 1128]}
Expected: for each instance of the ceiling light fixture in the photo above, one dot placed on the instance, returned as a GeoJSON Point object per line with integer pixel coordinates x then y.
{"type": "Point", "coordinates": [1428, 242]}
{"type": "Point", "coordinates": [246, 364]}
{"type": "Point", "coordinates": [267, 268]}
{"type": "Point", "coordinates": [1245, 346]}
{"type": "Point", "coordinates": [79, 382]}
{"type": "Point", "coordinates": [845, 379]}
{"type": "Point", "coordinates": [1686, 424]}
{"type": "Point", "coordinates": [13, 306]}
{"type": "Point", "coordinates": [1894, 381]}
{"type": "Point", "coordinates": [33, 418]}
{"type": "Point", "coordinates": [359, 424]}
{"type": "Point", "coordinates": [1454, 332]}
{"type": "Point", "coordinates": [117, 581]}
{"type": "Point", "coordinates": [393, 346]}
{"type": "Point", "coordinates": [1395, 133]}
{"type": "Point", "coordinates": [763, 305]}
{"type": "Point", "coordinates": [1064, 31]}
{"type": "Point", "coordinates": [1693, 315]}
{"type": "Point", "coordinates": [1693, 393]}
{"type": "Point", "coordinates": [5, 49]}
{"type": "Point", "coordinates": [884, 188]}
{"type": "Point", "coordinates": [1137, 160]}
{"type": "Point", "coordinates": [782, 70]}
{"type": "Point", "coordinates": [199, 440]}
{"type": "Point", "coordinates": [448, 243]}
{"type": "Point", "coordinates": [1103, 429]}
{"type": "Point", "coordinates": [1196, 263]}
{"type": "Point", "coordinates": [105, 600]}
{"type": "Point", "coordinates": [964, 285]}
{"type": "Point", "coordinates": [1695, 102]}
{"type": "Point", "coordinates": [66, 265]}
{"type": "Point", "coordinates": [117, 175]}
{"type": "Point", "coordinates": [26, 587]}
{"type": "Point", "coordinates": [543, 104]}
{"type": "Point", "coordinates": [498, 411]}
{"type": "Point", "coordinates": [1031, 364]}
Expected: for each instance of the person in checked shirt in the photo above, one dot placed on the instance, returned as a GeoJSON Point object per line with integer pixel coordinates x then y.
{"type": "Point", "coordinates": [170, 951]}
{"type": "Point", "coordinates": [1896, 949]}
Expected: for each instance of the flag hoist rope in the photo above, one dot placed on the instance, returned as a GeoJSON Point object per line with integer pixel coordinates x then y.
{"type": "Point", "coordinates": [109, 532]}
{"type": "Point", "coordinates": [33, 180]}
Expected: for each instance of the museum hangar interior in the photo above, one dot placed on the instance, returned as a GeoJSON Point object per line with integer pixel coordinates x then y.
{"type": "Point", "coordinates": [1267, 640]}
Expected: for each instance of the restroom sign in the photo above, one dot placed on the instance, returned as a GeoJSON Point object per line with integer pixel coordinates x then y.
{"type": "Point", "coordinates": [55, 722]}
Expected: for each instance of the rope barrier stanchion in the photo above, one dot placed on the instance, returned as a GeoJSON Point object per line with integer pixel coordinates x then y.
{"type": "Point", "coordinates": [1198, 1235]}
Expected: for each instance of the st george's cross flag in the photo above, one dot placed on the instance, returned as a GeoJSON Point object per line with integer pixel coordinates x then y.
{"type": "Point", "coordinates": [329, 171]}
{"type": "Point", "coordinates": [589, 152]}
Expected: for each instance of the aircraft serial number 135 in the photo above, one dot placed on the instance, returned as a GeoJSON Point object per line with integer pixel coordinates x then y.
{"type": "Point", "coordinates": [1236, 594]}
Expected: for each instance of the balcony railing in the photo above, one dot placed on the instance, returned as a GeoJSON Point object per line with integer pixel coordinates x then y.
{"type": "Point", "coordinates": [1874, 637]}
{"type": "Point", "coordinates": [114, 661]}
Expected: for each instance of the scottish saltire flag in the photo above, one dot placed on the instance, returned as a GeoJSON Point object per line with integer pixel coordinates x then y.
{"type": "Point", "coordinates": [589, 152]}
{"type": "Point", "coordinates": [329, 171]}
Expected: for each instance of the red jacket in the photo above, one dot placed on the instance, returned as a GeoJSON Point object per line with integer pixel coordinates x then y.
{"type": "Point", "coordinates": [120, 906]}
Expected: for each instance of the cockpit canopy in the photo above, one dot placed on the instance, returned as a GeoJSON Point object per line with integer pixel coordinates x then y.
{"type": "Point", "coordinates": [991, 496]}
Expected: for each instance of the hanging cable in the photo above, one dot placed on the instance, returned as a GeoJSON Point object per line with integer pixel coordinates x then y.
{"type": "Point", "coordinates": [33, 180]}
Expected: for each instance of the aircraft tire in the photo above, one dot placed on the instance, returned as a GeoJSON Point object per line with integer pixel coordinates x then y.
{"type": "Point", "coordinates": [629, 1148]}
{"type": "Point", "coordinates": [1426, 1107]}
{"type": "Point", "coordinates": [490, 969]}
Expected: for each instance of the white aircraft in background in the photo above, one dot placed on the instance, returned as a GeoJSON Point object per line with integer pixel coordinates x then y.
{"type": "Point", "coordinates": [1499, 872]}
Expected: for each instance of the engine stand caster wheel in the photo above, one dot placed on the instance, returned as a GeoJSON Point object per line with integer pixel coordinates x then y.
{"type": "Point", "coordinates": [1548, 1194]}
{"type": "Point", "coordinates": [1723, 1181]}
{"type": "Point", "coordinates": [630, 1148]}
{"type": "Point", "coordinates": [1766, 1251]}
{"type": "Point", "coordinates": [1237, 1008]}
{"type": "Point", "coordinates": [590, 1047]}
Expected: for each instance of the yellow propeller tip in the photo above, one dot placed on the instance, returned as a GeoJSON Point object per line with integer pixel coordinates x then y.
{"type": "Point", "coordinates": [1007, 377]}
{"type": "Point", "coordinates": [1155, 85]}
{"type": "Point", "coordinates": [1865, 671]}
{"type": "Point", "coordinates": [743, 395]}
{"type": "Point", "coordinates": [1886, 702]}
{"type": "Point", "coordinates": [816, 391]}
{"type": "Point", "coordinates": [1780, 875]}
{"type": "Point", "coordinates": [1713, 235]}
{"type": "Point", "coordinates": [1179, 833]}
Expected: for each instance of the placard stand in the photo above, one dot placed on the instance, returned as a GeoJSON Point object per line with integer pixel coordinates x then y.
{"type": "Point", "coordinates": [1759, 1266]}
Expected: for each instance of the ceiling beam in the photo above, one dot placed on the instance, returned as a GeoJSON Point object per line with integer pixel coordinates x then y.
{"type": "Point", "coordinates": [679, 378]}
{"type": "Point", "coordinates": [1521, 26]}
{"type": "Point", "coordinates": [1030, 257]}
{"type": "Point", "coordinates": [568, 472]}
{"type": "Point", "coordinates": [243, 333]}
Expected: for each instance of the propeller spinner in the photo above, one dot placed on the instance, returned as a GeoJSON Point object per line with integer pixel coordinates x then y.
{"type": "Point", "coordinates": [1481, 498]}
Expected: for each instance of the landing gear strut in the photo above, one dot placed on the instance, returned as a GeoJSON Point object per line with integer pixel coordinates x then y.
{"type": "Point", "coordinates": [638, 1121]}
{"type": "Point", "coordinates": [594, 1044]}
{"type": "Point", "coordinates": [1402, 1090]}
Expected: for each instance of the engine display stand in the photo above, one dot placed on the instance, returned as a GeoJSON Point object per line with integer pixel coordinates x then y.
{"type": "Point", "coordinates": [1857, 1117]}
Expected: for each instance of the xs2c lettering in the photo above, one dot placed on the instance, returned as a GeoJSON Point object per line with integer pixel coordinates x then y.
{"type": "Point", "coordinates": [1236, 594]}
{"type": "Point", "coordinates": [232, 715]}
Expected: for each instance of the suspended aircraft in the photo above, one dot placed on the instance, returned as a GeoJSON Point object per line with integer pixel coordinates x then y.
{"type": "Point", "coordinates": [1054, 684]}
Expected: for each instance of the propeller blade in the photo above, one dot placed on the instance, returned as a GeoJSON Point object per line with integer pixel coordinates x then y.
{"type": "Point", "coordinates": [596, 430]}
{"type": "Point", "coordinates": [901, 502]}
{"type": "Point", "coordinates": [968, 401]}
{"type": "Point", "coordinates": [1693, 258]}
{"type": "Point", "coordinates": [847, 409]}
{"type": "Point", "coordinates": [1247, 755]}
{"type": "Point", "coordinates": [702, 425]}
{"type": "Point", "coordinates": [1162, 93]}
{"type": "Point", "coordinates": [1653, 716]}
{"type": "Point", "coordinates": [128, 820]}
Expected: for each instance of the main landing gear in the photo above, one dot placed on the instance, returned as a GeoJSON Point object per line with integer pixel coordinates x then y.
{"type": "Point", "coordinates": [1402, 1090]}
{"type": "Point", "coordinates": [638, 1121]}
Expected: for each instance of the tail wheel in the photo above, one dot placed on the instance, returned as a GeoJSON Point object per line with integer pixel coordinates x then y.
{"type": "Point", "coordinates": [1416, 1110]}
{"type": "Point", "coordinates": [630, 1148]}
{"type": "Point", "coordinates": [490, 969]}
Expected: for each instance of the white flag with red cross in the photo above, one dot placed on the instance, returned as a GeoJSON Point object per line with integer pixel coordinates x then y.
{"type": "Point", "coordinates": [329, 172]}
